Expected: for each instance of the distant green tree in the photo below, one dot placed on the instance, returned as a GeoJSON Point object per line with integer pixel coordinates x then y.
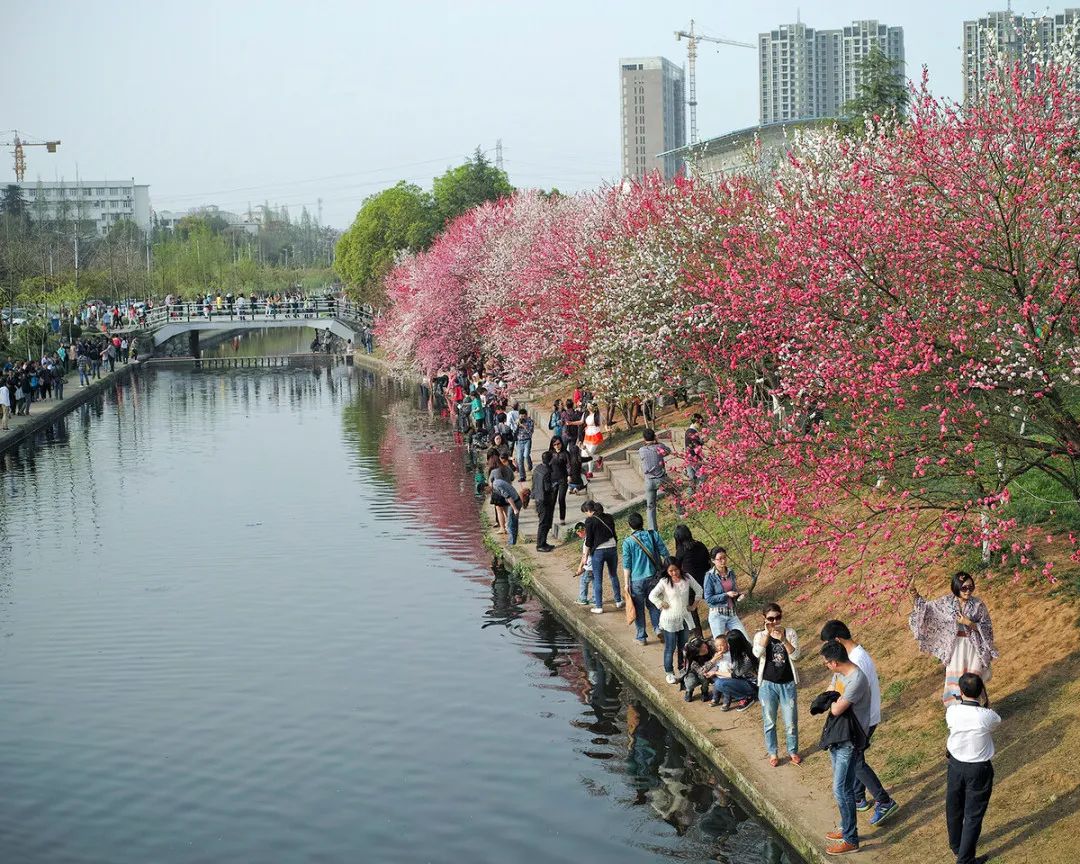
{"type": "Point", "coordinates": [881, 91]}
{"type": "Point", "coordinates": [13, 205]}
{"type": "Point", "coordinates": [467, 185]}
{"type": "Point", "coordinates": [398, 219]}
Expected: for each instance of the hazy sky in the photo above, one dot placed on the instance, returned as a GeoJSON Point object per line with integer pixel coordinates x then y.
{"type": "Point", "coordinates": [233, 102]}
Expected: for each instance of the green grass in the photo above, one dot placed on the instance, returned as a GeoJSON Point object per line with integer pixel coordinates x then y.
{"type": "Point", "coordinates": [895, 690]}
{"type": "Point", "coordinates": [1038, 499]}
{"type": "Point", "coordinates": [900, 765]}
{"type": "Point", "coordinates": [521, 571]}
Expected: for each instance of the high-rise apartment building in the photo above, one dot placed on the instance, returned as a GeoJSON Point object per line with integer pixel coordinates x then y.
{"type": "Point", "coordinates": [1008, 34]}
{"type": "Point", "coordinates": [653, 98]}
{"type": "Point", "coordinates": [807, 73]}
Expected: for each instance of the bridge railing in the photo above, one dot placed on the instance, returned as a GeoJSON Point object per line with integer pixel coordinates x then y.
{"type": "Point", "coordinates": [258, 310]}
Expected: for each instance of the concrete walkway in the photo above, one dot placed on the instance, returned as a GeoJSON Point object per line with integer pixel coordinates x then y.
{"type": "Point", "coordinates": [49, 411]}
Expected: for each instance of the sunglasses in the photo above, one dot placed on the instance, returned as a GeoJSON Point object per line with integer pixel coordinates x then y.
{"type": "Point", "coordinates": [773, 618]}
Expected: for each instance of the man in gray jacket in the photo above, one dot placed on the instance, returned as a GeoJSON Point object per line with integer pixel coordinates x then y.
{"type": "Point", "coordinates": [652, 455]}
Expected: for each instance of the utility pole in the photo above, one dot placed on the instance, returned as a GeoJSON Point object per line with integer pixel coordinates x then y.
{"type": "Point", "coordinates": [499, 155]}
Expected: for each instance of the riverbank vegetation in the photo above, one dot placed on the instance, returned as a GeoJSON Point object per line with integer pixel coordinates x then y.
{"type": "Point", "coordinates": [884, 329]}
{"type": "Point", "coordinates": [405, 219]}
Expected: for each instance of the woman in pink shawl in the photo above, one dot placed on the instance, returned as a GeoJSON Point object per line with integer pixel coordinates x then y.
{"type": "Point", "coordinates": [957, 630]}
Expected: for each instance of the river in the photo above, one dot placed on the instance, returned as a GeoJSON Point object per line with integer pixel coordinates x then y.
{"type": "Point", "coordinates": [247, 617]}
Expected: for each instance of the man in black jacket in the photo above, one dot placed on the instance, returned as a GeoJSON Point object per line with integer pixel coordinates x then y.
{"type": "Point", "coordinates": [543, 493]}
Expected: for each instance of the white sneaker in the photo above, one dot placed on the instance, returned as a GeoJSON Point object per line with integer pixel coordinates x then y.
{"type": "Point", "coordinates": [670, 678]}
{"type": "Point", "coordinates": [597, 610]}
{"type": "Point", "coordinates": [620, 604]}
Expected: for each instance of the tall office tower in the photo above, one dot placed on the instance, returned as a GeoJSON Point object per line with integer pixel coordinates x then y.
{"type": "Point", "coordinates": [653, 115]}
{"type": "Point", "coordinates": [807, 73]}
{"type": "Point", "coordinates": [1008, 34]}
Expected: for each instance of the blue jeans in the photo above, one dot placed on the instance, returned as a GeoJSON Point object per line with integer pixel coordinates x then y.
{"type": "Point", "coordinates": [780, 696]}
{"type": "Point", "coordinates": [674, 642]}
{"type": "Point", "coordinates": [720, 622]}
{"type": "Point", "coordinates": [600, 557]}
{"type": "Point", "coordinates": [652, 485]}
{"type": "Point", "coordinates": [734, 688]}
{"type": "Point", "coordinates": [586, 578]}
{"type": "Point", "coordinates": [523, 451]}
{"type": "Point", "coordinates": [844, 763]}
{"type": "Point", "coordinates": [639, 595]}
{"type": "Point", "coordinates": [511, 526]}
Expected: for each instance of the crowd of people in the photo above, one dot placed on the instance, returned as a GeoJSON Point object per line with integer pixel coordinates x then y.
{"type": "Point", "coordinates": [273, 305]}
{"type": "Point", "coordinates": [22, 383]}
{"type": "Point", "coordinates": [734, 670]}
{"type": "Point", "coordinates": [662, 588]}
{"type": "Point", "coordinates": [26, 382]}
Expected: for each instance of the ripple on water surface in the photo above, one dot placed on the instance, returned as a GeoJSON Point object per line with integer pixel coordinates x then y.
{"type": "Point", "coordinates": [247, 617]}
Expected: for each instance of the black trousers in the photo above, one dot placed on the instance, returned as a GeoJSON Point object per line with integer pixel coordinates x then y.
{"type": "Point", "coordinates": [967, 796]}
{"type": "Point", "coordinates": [561, 494]}
{"type": "Point", "coordinates": [866, 778]}
{"type": "Point", "coordinates": [545, 512]}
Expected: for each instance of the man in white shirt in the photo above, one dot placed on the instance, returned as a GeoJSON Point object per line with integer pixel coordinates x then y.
{"type": "Point", "coordinates": [5, 405]}
{"type": "Point", "coordinates": [883, 804]}
{"type": "Point", "coordinates": [971, 773]}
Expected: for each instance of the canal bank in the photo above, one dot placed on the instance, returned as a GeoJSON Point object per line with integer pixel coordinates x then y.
{"type": "Point", "coordinates": [799, 811]}
{"type": "Point", "coordinates": [731, 741]}
{"type": "Point", "coordinates": [24, 427]}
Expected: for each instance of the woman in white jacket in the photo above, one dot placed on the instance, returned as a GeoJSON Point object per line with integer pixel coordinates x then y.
{"type": "Point", "coordinates": [672, 597]}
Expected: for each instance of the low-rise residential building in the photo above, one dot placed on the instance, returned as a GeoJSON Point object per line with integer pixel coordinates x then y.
{"type": "Point", "coordinates": [101, 202]}
{"type": "Point", "coordinates": [755, 149]}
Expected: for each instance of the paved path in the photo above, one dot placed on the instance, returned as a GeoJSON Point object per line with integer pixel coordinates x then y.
{"type": "Point", "coordinates": [43, 413]}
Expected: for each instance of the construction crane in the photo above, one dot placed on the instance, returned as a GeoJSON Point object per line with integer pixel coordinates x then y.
{"type": "Point", "coordinates": [17, 145]}
{"type": "Point", "coordinates": [692, 39]}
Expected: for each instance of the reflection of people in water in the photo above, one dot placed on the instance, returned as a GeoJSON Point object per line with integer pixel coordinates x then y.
{"type": "Point", "coordinates": [645, 749]}
{"type": "Point", "coordinates": [506, 600]}
{"type": "Point", "coordinates": [723, 817]}
{"type": "Point", "coordinates": [670, 798]}
{"type": "Point", "coordinates": [604, 690]}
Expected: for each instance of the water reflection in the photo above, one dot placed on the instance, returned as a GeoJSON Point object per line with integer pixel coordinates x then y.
{"type": "Point", "coordinates": [212, 585]}
{"type": "Point", "coordinates": [636, 749]}
{"type": "Point", "coordinates": [633, 749]}
{"type": "Point", "coordinates": [267, 342]}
